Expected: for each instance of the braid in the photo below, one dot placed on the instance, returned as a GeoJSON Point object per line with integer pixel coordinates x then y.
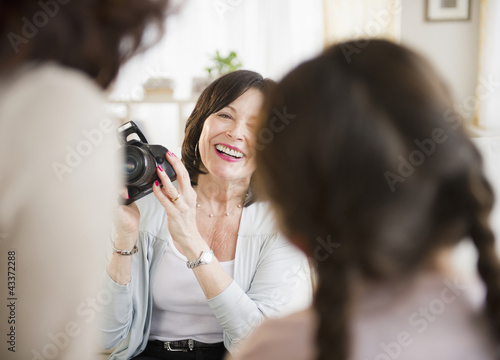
{"type": "Point", "coordinates": [331, 304]}
{"type": "Point", "coordinates": [488, 263]}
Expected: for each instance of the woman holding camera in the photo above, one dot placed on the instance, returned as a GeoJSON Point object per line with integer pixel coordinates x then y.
{"type": "Point", "coordinates": [389, 175]}
{"type": "Point", "coordinates": [209, 264]}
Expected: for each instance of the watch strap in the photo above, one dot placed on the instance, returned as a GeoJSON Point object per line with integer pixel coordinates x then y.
{"type": "Point", "coordinates": [199, 261]}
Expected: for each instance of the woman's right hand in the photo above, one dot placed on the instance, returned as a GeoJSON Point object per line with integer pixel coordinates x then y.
{"type": "Point", "coordinates": [127, 224]}
{"type": "Point", "coordinates": [127, 231]}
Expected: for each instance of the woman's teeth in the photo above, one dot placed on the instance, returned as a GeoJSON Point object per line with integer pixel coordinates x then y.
{"type": "Point", "coordinates": [227, 151]}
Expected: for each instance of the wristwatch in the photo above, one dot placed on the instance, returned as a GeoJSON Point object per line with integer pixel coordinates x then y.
{"type": "Point", "coordinates": [205, 258]}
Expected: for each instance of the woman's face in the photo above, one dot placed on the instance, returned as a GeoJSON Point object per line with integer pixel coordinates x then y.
{"type": "Point", "coordinates": [227, 140]}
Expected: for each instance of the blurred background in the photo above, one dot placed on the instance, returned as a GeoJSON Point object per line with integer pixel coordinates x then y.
{"type": "Point", "coordinates": [206, 38]}
{"type": "Point", "coordinates": [160, 86]}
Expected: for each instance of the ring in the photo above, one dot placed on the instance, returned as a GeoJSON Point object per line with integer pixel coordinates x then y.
{"type": "Point", "coordinates": [177, 198]}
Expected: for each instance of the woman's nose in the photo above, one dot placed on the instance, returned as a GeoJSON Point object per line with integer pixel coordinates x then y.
{"type": "Point", "coordinates": [235, 131]}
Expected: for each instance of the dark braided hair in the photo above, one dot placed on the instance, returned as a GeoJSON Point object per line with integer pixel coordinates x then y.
{"type": "Point", "coordinates": [375, 158]}
{"type": "Point", "coordinates": [488, 265]}
{"type": "Point", "coordinates": [332, 304]}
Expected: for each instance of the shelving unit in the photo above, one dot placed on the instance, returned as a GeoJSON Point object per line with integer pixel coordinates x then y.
{"type": "Point", "coordinates": [183, 106]}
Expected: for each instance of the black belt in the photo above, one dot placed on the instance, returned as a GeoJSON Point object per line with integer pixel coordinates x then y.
{"type": "Point", "coordinates": [185, 345]}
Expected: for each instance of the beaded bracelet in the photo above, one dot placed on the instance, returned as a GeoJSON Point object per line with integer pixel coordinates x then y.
{"type": "Point", "coordinates": [125, 252]}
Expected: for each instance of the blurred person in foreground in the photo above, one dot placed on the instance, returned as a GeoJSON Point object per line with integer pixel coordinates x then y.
{"type": "Point", "coordinates": [58, 175]}
{"type": "Point", "coordinates": [240, 269]}
{"type": "Point", "coordinates": [377, 162]}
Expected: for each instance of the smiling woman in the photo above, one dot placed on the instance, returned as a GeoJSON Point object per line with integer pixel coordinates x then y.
{"type": "Point", "coordinates": [241, 91]}
{"type": "Point", "coordinates": [212, 265]}
{"type": "Point", "coordinates": [227, 136]}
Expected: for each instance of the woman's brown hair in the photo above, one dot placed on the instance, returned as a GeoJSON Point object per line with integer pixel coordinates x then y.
{"type": "Point", "coordinates": [94, 36]}
{"type": "Point", "coordinates": [219, 94]}
{"type": "Point", "coordinates": [376, 159]}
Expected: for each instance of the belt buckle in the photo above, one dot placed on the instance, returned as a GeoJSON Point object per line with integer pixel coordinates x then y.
{"type": "Point", "coordinates": [166, 345]}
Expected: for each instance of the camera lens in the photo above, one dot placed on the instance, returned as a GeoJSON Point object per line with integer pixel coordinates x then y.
{"type": "Point", "coordinates": [131, 165]}
{"type": "Point", "coordinates": [139, 166]}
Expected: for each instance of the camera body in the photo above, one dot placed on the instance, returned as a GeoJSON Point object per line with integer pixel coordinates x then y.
{"type": "Point", "coordinates": [141, 162]}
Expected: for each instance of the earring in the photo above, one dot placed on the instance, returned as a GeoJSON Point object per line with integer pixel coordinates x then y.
{"type": "Point", "coordinates": [195, 153]}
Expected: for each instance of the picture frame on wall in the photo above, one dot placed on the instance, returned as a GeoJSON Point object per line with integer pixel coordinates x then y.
{"type": "Point", "coordinates": [448, 10]}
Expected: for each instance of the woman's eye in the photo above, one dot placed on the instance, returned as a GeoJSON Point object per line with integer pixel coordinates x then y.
{"type": "Point", "coordinates": [225, 116]}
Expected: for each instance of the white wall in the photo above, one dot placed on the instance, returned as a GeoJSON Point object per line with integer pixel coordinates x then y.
{"type": "Point", "coordinates": [489, 107]}
{"type": "Point", "coordinates": [269, 36]}
{"type": "Point", "coordinates": [452, 47]}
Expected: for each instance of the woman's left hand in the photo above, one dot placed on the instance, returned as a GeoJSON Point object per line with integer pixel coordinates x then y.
{"type": "Point", "coordinates": [180, 203]}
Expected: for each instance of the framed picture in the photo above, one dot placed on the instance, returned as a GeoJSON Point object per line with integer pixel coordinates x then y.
{"type": "Point", "coordinates": [447, 10]}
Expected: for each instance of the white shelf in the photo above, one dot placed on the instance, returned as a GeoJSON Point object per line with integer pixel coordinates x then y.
{"type": "Point", "coordinates": [180, 103]}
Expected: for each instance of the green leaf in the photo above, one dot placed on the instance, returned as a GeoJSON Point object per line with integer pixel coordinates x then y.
{"type": "Point", "coordinates": [223, 65]}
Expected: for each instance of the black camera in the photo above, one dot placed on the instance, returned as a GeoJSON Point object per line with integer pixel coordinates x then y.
{"type": "Point", "coordinates": [141, 161]}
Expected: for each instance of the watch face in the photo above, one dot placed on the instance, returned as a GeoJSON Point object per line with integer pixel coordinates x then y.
{"type": "Point", "coordinates": [207, 256]}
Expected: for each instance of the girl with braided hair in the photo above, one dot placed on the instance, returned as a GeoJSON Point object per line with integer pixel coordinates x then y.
{"type": "Point", "coordinates": [375, 178]}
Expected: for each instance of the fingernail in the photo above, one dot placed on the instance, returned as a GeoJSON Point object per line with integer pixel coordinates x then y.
{"type": "Point", "coordinates": [128, 197]}
{"type": "Point", "coordinates": [159, 167]}
{"type": "Point", "coordinates": [170, 153]}
{"type": "Point", "coordinates": [157, 183]}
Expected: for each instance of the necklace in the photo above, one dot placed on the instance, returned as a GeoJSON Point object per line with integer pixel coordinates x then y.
{"type": "Point", "coordinates": [239, 206]}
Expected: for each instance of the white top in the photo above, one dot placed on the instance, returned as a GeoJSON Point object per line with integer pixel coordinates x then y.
{"type": "Point", "coordinates": [270, 277]}
{"type": "Point", "coordinates": [180, 309]}
{"type": "Point", "coordinates": [58, 186]}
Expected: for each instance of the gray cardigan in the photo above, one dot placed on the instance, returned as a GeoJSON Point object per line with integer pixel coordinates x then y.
{"type": "Point", "coordinates": [269, 273]}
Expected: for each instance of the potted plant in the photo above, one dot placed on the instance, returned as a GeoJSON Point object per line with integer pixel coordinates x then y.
{"type": "Point", "coordinates": [220, 65]}
{"type": "Point", "coordinates": [223, 65]}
